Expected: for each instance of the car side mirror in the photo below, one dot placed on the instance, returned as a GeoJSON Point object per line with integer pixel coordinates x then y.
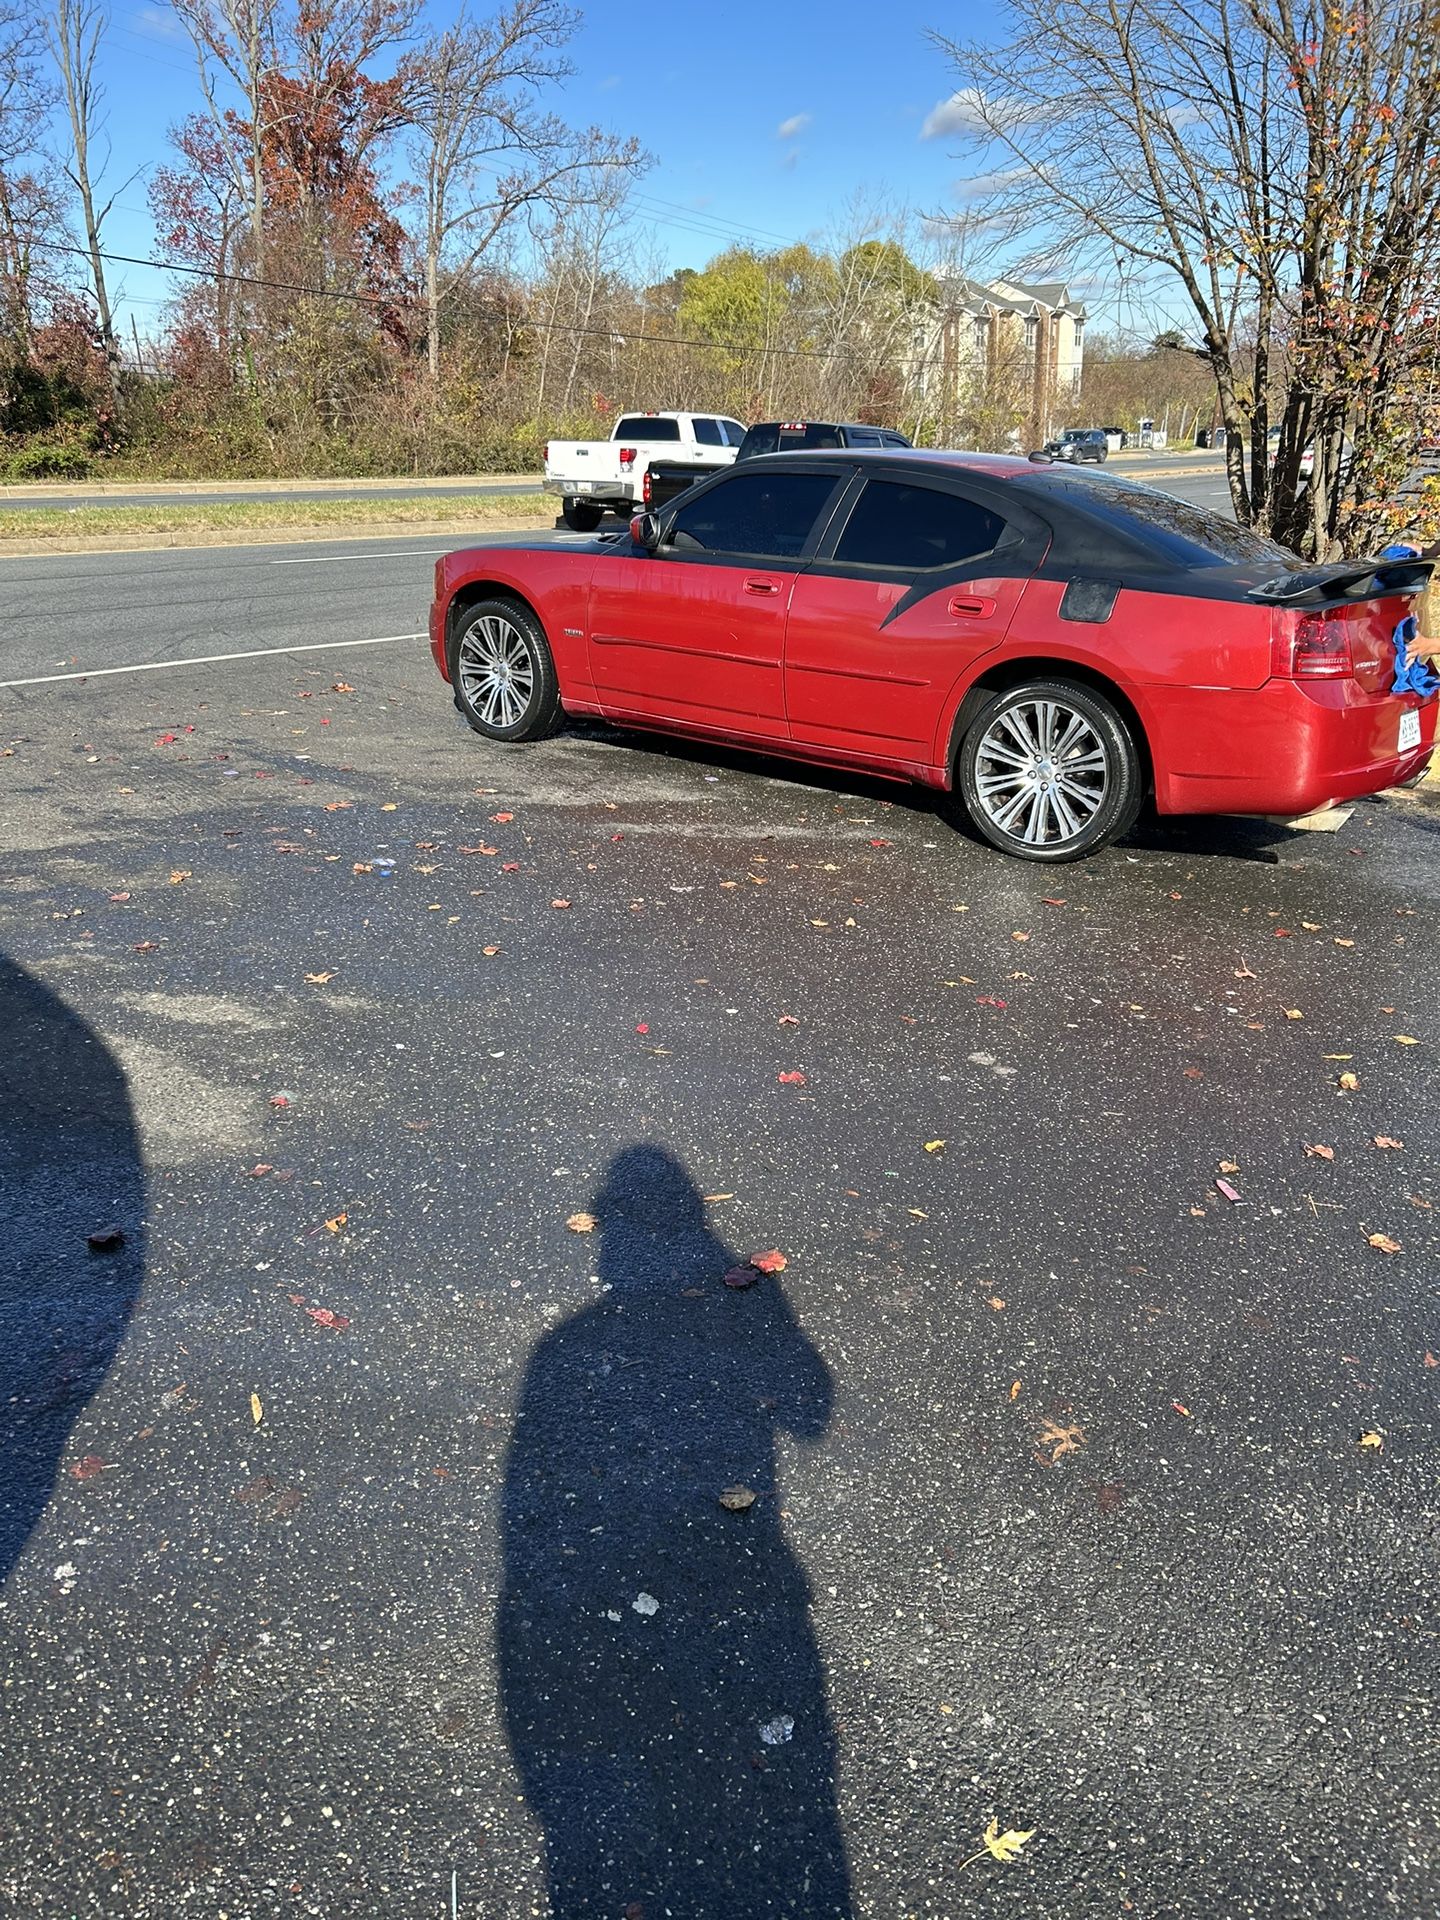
{"type": "Point", "coordinates": [645, 531]}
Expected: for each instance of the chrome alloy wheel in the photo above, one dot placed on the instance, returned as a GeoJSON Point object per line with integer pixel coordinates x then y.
{"type": "Point", "coordinates": [497, 671]}
{"type": "Point", "coordinates": [1041, 772]}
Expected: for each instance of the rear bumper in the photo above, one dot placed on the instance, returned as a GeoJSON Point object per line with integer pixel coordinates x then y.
{"type": "Point", "coordinates": [1289, 747]}
{"type": "Point", "coordinates": [603, 492]}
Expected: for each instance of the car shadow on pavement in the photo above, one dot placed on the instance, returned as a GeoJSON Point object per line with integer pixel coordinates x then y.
{"type": "Point", "coordinates": [661, 1686]}
{"type": "Point", "coordinates": [70, 1168]}
{"type": "Point", "coordinates": [1194, 836]}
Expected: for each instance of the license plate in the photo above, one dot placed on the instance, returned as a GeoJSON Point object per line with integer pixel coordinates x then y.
{"type": "Point", "coordinates": [584, 486]}
{"type": "Point", "coordinates": [1409, 732]}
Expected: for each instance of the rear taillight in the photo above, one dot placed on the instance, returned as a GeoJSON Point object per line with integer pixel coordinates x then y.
{"type": "Point", "coordinates": [1317, 647]}
{"type": "Point", "coordinates": [645, 487]}
{"type": "Point", "coordinates": [627, 456]}
{"type": "Point", "coordinates": [545, 452]}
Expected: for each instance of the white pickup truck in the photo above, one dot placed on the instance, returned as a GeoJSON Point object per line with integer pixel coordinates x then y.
{"type": "Point", "coordinates": [591, 475]}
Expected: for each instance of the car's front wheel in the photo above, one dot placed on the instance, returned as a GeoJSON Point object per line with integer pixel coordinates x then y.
{"type": "Point", "coordinates": [1049, 770]}
{"type": "Point", "coordinates": [503, 673]}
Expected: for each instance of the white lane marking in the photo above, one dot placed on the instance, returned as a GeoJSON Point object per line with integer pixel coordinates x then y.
{"type": "Point", "coordinates": [326, 559]}
{"type": "Point", "coordinates": [209, 659]}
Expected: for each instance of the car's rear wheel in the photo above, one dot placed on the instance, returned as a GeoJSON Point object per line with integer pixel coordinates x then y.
{"type": "Point", "coordinates": [503, 673]}
{"type": "Point", "coordinates": [582, 516]}
{"type": "Point", "coordinates": [1049, 770]}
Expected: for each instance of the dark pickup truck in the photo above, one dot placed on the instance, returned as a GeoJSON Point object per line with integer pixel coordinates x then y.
{"type": "Point", "coordinates": [664, 479]}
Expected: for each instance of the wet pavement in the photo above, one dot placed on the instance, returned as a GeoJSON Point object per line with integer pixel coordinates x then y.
{"type": "Point", "coordinates": [363, 1550]}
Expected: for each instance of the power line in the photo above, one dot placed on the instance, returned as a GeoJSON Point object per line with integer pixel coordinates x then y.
{"type": "Point", "coordinates": [384, 300]}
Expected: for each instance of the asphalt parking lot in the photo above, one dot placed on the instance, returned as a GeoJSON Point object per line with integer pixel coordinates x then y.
{"type": "Point", "coordinates": [361, 1541]}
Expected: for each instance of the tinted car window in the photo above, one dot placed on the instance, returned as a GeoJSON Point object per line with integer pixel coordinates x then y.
{"type": "Point", "coordinates": [644, 427]}
{"type": "Point", "coordinates": [761, 440]}
{"type": "Point", "coordinates": [1177, 530]}
{"type": "Point", "coordinates": [732, 432]}
{"type": "Point", "coordinates": [864, 437]}
{"type": "Point", "coordinates": [760, 513]}
{"type": "Point", "coordinates": [894, 525]}
{"type": "Point", "coordinates": [808, 438]}
{"type": "Point", "coordinates": [707, 432]}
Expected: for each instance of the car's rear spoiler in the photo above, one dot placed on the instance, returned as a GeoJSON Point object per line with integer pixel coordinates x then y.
{"type": "Point", "coordinates": [1345, 580]}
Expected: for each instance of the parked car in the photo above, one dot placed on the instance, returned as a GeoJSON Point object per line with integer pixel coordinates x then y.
{"type": "Point", "coordinates": [665, 479]}
{"type": "Point", "coordinates": [1050, 647]}
{"type": "Point", "coordinates": [1080, 443]}
{"type": "Point", "coordinates": [1115, 438]}
{"type": "Point", "coordinates": [593, 475]}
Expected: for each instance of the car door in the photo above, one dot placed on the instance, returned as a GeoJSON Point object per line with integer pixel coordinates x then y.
{"type": "Point", "coordinates": [693, 634]}
{"type": "Point", "coordinates": [914, 581]}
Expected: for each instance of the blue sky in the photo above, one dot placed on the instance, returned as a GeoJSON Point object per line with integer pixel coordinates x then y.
{"type": "Point", "coordinates": [765, 120]}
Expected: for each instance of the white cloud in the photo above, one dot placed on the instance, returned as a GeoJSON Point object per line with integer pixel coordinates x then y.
{"type": "Point", "coordinates": [797, 123]}
{"type": "Point", "coordinates": [959, 114]}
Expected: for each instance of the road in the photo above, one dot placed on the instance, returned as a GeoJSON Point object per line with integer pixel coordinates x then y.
{"type": "Point", "coordinates": [174, 493]}
{"type": "Point", "coordinates": [175, 604]}
{"type": "Point", "coordinates": [364, 1516]}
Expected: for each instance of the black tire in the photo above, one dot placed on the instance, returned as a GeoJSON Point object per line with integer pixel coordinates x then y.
{"type": "Point", "coordinates": [582, 516]}
{"type": "Point", "coordinates": [1104, 777]}
{"type": "Point", "coordinates": [503, 672]}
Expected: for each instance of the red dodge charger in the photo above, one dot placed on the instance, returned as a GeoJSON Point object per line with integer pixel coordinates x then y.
{"type": "Point", "coordinates": [1054, 646]}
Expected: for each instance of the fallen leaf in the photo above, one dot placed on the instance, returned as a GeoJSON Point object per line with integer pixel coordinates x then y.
{"type": "Point", "coordinates": [1383, 1242]}
{"type": "Point", "coordinates": [87, 1466]}
{"type": "Point", "coordinates": [1348, 1082]}
{"type": "Point", "coordinates": [582, 1223]}
{"type": "Point", "coordinates": [341, 686]}
{"type": "Point", "coordinates": [1061, 1440]}
{"type": "Point", "coordinates": [117, 897]}
{"type": "Point", "coordinates": [105, 1240]}
{"type": "Point", "coordinates": [989, 1000]}
{"type": "Point", "coordinates": [1182, 1410]}
{"type": "Point", "coordinates": [323, 1317]}
{"type": "Point", "coordinates": [1430, 1360]}
{"type": "Point", "coordinates": [260, 1168]}
{"type": "Point", "coordinates": [1344, 943]}
{"type": "Point", "coordinates": [934, 1146]}
{"type": "Point", "coordinates": [791, 1079]}
{"type": "Point", "coordinates": [1014, 1391]}
{"type": "Point", "coordinates": [389, 806]}
{"type": "Point", "coordinates": [334, 1226]}
{"type": "Point", "coordinates": [741, 1277]}
{"type": "Point", "coordinates": [510, 866]}
{"type": "Point", "coordinates": [788, 1020]}
{"type": "Point", "coordinates": [501, 818]}
{"type": "Point", "coordinates": [490, 952]}
{"type": "Point", "coordinates": [257, 1411]}
{"type": "Point", "coordinates": [1293, 1013]}
{"type": "Point", "coordinates": [995, 1303]}
{"type": "Point", "coordinates": [711, 1199]}
{"type": "Point", "coordinates": [1229, 1192]}
{"type": "Point", "coordinates": [1006, 1846]}
{"type": "Point", "coordinates": [1229, 1166]}
{"type": "Point", "coordinates": [1372, 1441]}
{"type": "Point", "coordinates": [318, 979]}
{"type": "Point", "coordinates": [1050, 900]}
{"type": "Point", "coordinates": [737, 1499]}
{"type": "Point", "coordinates": [177, 874]}
{"type": "Point", "coordinates": [559, 903]}
{"type": "Point", "coordinates": [1384, 1140]}
{"type": "Point", "coordinates": [1404, 1040]}
{"type": "Point", "coordinates": [1022, 937]}
{"type": "Point", "coordinates": [643, 1027]}
{"type": "Point", "coordinates": [1320, 1153]}
{"type": "Point", "coordinates": [772, 1261]}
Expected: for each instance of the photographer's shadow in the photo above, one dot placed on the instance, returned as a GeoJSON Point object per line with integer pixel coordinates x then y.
{"type": "Point", "coordinates": [638, 1734]}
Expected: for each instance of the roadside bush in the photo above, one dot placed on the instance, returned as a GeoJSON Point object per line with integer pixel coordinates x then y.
{"type": "Point", "coordinates": [44, 458]}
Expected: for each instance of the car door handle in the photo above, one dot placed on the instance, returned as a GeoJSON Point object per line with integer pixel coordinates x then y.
{"type": "Point", "coordinates": [762, 586]}
{"type": "Point", "coordinates": [967, 608]}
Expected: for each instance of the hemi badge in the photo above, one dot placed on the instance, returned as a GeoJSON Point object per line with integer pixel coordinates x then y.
{"type": "Point", "coordinates": [576, 633]}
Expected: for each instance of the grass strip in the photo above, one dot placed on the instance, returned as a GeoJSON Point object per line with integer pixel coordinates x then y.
{"type": "Point", "coordinates": [63, 523]}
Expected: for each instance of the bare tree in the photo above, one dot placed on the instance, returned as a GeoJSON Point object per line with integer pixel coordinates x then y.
{"type": "Point", "coordinates": [1271, 164]}
{"type": "Point", "coordinates": [483, 149]}
{"type": "Point", "coordinates": [235, 40]}
{"type": "Point", "coordinates": [25, 196]}
{"type": "Point", "coordinates": [75, 30]}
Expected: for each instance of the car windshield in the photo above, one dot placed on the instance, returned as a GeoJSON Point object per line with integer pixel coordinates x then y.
{"type": "Point", "coordinates": [1181, 532]}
